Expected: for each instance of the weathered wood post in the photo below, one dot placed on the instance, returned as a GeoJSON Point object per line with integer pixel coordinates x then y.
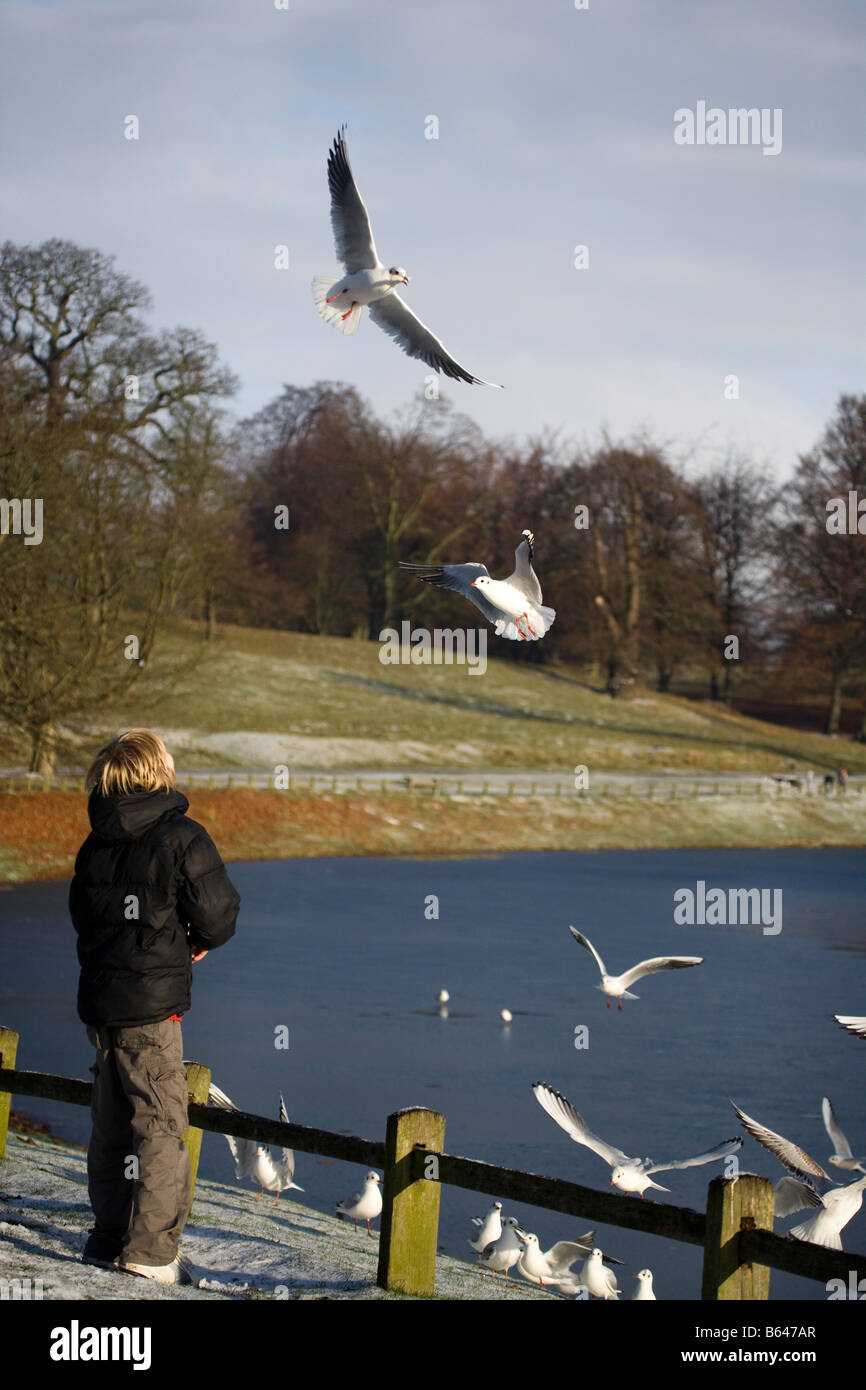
{"type": "Point", "coordinates": [410, 1207]}
{"type": "Point", "coordinates": [197, 1085]}
{"type": "Point", "coordinates": [734, 1205]}
{"type": "Point", "coordinates": [8, 1053]}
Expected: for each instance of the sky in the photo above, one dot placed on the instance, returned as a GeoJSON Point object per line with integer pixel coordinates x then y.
{"type": "Point", "coordinates": [556, 126]}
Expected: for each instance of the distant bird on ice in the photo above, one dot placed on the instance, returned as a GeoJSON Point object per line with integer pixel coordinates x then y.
{"type": "Point", "coordinates": [365, 1205]}
{"type": "Point", "coordinates": [629, 1174]}
{"type": "Point", "coordinates": [368, 282]}
{"type": "Point", "coordinates": [513, 605]}
{"type": "Point", "coordinates": [616, 986]}
{"type": "Point", "coordinates": [255, 1161]}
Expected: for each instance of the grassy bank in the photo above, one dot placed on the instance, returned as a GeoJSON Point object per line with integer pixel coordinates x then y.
{"type": "Point", "coordinates": [41, 831]}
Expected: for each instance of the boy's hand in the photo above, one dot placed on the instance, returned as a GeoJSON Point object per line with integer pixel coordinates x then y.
{"type": "Point", "coordinates": [197, 955]}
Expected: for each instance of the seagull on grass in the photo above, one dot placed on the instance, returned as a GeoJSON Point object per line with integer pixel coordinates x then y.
{"type": "Point", "coordinates": [501, 1254]}
{"type": "Point", "coordinates": [600, 1281]}
{"type": "Point", "coordinates": [489, 1228]}
{"type": "Point", "coordinates": [616, 986]}
{"type": "Point", "coordinates": [629, 1174]}
{"type": "Point", "coordinates": [552, 1268]}
{"type": "Point", "coordinates": [513, 605]}
{"type": "Point", "coordinates": [365, 1205]}
{"type": "Point", "coordinates": [255, 1161]}
{"type": "Point", "coordinates": [367, 282]}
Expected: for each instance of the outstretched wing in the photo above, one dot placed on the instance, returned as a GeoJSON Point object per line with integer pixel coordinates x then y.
{"type": "Point", "coordinates": [831, 1124]}
{"type": "Point", "coordinates": [793, 1195]}
{"type": "Point", "coordinates": [795, 1159]}
{"type": "Point", "coordinates": [853, 1023]}
{"type": "Point", "coordinates": [649, 967]}
{"type": "Point", "coordinates": [460, 578]}
{"type": "Point", "coordinates": [565, 1115]}
{"type": "Point", "coordinates": [730, 1146]}
{"type": "Point", "coordinates": [350, 220]}
{"type": "Point", "coordinates": [242, 1150]}
{"type": "Point", "coordinates": [524, 577]}
{"type": "Point", "coordinates": [285, 1165]}
{"type": "Point", "coordinates": [394, 317]}
{"type": "Point", "coordinates": [585, 941]}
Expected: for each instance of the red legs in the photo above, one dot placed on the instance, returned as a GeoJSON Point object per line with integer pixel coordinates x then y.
{"type": "Point", "coordinates": [332, 297]}
{"type": "Point", "coordinates": [529, 626]}
{"type": "Point", "coordinates": [619, 1006]}
{"type": "Point", "coordinates": [607, 1001]}
{"type": "Point", "coordinates": [261, 1194]}
{"type": "Point", "coordinates": [349, 310]}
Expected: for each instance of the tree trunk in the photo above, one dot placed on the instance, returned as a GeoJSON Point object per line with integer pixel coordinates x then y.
{"type": "Point", "coordinates": [835, 705]}
{"type": "Point", "coordinates": [209, 617]}
{"type": "Point", "coordinates": [42, 751]}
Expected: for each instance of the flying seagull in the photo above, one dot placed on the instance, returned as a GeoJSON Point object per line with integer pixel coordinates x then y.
{"type": "Point", "coordinates": [853, 1022]}
{"type": "Point", "coordinates": [368, 282]}
{"type": "Point", "coordinates": [255, 1161]}
{"type": "Point", "coordinates": [616, 986]}
{"type": "Point", "coordinates": [842, 1157]}
{"type": "Point", "coordinates": [513, 605]}
{"type": "Point", "coordinates": [837, 1206]}
{"type": "Point", "coordinates": [629, 1174]}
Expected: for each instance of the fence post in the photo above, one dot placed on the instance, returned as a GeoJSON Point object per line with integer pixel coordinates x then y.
{"type": "Point", "coordinates": [410, 1208]}
{"type": "Point", "coordinates": [8, 1053]}
{"type": "Point", "coordinates": [197, 1085]}
{"type": "Point", "coordinates": [734, 1205]}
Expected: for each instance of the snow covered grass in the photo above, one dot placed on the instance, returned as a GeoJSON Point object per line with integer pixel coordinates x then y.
{"type": "Point", "coordinates": [239, 1249]}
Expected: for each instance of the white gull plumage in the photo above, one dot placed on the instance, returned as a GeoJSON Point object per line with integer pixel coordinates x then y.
{"type": "Point", "coordinates": [629, 1174]}
{"type": "Point", "coordinates": [255, 1161]}
{"type": "Point", "coordinates": [489, 1228]}
{"type": "Point", "coordinates": [365, 1205]}
{"type": "Point", "coordinates": [513, 605]}
{"type": "Point", "coordinates": [616, 986]}
{"type": "Point", "coordinates": [552, 1268]}
{"type": "Point", "coordinates": [367, 282]}
{"type": "Point", "coordinates": [853, 1023]}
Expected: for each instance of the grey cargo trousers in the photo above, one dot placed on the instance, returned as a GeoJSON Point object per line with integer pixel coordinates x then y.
{"type": "Point", "coordinates": [137, 1163]}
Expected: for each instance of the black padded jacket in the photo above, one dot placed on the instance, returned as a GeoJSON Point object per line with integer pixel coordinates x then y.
{"type": "Point", "coordinates": [148, 884]}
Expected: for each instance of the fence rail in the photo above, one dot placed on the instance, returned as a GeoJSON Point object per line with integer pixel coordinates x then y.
{"type": "Point", "coordinates": [736, 1233]}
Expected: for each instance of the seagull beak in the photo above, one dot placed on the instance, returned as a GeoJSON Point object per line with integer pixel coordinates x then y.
{"type": "Point", "coordinates": [405, 279]}
{"type": "Point", "coordinates": [473, 584]}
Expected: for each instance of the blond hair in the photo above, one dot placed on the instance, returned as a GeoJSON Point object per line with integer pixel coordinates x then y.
{"type": "Point", "coordinates": [137, 761]}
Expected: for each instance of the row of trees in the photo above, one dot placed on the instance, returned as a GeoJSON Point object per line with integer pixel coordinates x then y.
{"type": "Point", "coordinates": [156, 503]}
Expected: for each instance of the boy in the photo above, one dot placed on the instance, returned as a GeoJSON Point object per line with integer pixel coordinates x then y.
{"type": "Point", "coordinates": [150, 896]}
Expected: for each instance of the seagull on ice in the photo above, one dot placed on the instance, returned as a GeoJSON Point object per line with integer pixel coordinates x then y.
{"type": "Point", "coordinates": [853, 1023]}
{"type": "Point", "coordinates": [501, 1254]}
{"type": "Point", "coordinates": [254, 1160]}
{"type": "Point", "coordinates": [600, 1282]}
{"type": "Point", "coordinates": [616, 986]}
{"type": "Point", "coordinates": [552, 1268]}
{"type": "Point", "coordinates": [842, 1157]}
{"type": "Point", "coordinates": [838, 1205]}
{"type": "Point", "coordinates": [365, 1205]}
{"type": "Point", "coordinates": [513, 605]}
{"type": "Point", "coordinates": [644, 1292]}
{"type": "Point", "coordinates": [629, 1174]}
{"type": "Point", "coordinates": [489, 1229]}
{"type": "Point", "coordinates": [368, 282]}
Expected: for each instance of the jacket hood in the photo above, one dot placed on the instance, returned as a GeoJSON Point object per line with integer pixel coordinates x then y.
{"type": "Point", "coordinates": [128, 815]}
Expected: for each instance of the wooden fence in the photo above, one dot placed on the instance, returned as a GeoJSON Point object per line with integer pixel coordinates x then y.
{"type": "Point", "coordinates": [736, 1231]}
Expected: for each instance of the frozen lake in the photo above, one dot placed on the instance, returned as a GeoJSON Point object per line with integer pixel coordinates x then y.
{"type": "Point", "coordinates": [341, 953]}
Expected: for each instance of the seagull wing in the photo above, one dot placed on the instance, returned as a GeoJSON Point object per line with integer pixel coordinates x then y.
{"type": "Point", "coordinates": [242, 1150]}
{"type": "Point", "coordinates": [730, 1146]}
{"type": "Point", "coordinates": [853, 1023]}
{"type": "Point", "coordinates": [793, 1195]}
{"type": "Point", "coordinates": [524, 577]}
{"type": "Point", "coordinates": [565, 1115]}
{"type": "Point", "coordinates": [460, 578]}
{"type": "Point", "coordinates": [585, 941]}
{"type": "Point", "coordinates": [393, 315]}
{"type": "Point", "coordinates": [350, 220]}
{"type": "Point", "coordinates": [831, 1124]}
{"type": "Point", "coordinates": [795, 1159]}
{"type": "Point", "coordinates": [285, 1167]}
{"type": "Point", "coordinates": [649, 967]}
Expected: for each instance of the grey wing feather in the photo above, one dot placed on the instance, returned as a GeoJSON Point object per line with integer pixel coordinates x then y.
{"type": "Point", "coordinates": [793, 1195]}
{"type": "Point", "coordinates": [730, 1146]}
{"type": "Point", "coordinates": [831, 1124]}
{"type": "Point", "coordinates": [565, 1115]}
{"type": "Point", "coordinates": [795, 1159]}
{"type": "Point", "coordinates": [393, 315]}
{"type": "Point", "coordinates": [242, 1150]}
{"type": "Point", "coordinates": [350, 220]}
{"type": "Point", "coordinates": [286, 1166]}
{"type": "Point", "coordinates": [524, 577]}
{"type": "Point", "coordinates": [459, 578]}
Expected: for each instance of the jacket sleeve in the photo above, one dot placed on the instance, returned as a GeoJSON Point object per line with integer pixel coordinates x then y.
{"type": "Point", "coordinates": [207, 899]}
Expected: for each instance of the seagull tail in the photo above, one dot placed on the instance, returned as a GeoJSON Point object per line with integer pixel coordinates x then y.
{"type": "Point", "coordinates": [335, 314]}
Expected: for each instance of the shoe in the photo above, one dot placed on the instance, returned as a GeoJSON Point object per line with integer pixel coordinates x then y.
{"type": "Point", "coordinates": [102, 1262]}
{"type": "Point", "coordinates": [178, 1272]}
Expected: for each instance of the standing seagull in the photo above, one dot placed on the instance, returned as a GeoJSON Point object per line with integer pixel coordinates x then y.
{"type": "Point", "coordinates": [616, 986]}
{"type": "Point", "coordinates": [513, 605]}
{"type": "Point", "coordinates": [629, 1174]}
{"type": "Point", "coordinates": [254, 1160]}
{"type": "Point", "coordinates": [504, 1252]}
{"type": "Point", "coordinates": [838, 1205]}
{"type": "Point", "coordinates": [552, 1268]}
{"type": "Point", "coordinates": [489, 1229]}
{"type": "Point", "coordinates": [368, 282]}
{"type": "Point", "coordinates": [644, 1292]}
{"type": "Point", "coordinates": [594, 1276]}
{"type": "Point", "coordinates": [365, 1205]}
